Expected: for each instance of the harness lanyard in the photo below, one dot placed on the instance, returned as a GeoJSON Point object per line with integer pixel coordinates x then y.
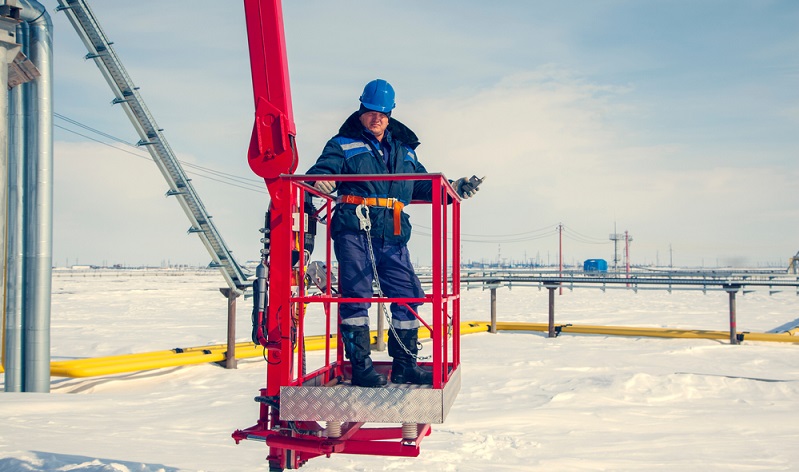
{"type": "Point", "coordinates": [362, 212]}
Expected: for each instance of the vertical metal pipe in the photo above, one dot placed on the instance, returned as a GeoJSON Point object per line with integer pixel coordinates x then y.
{"type": "Point", "coordinates": [38, 188]}
{"type": "Point", "coordinates": [4, 129]}
{"type": "Point", "coordinates": [12, 256]}
{"type": "Point", "coordinates": [8, 50]}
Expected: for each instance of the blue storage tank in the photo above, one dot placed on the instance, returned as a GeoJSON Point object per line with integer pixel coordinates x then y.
{"type": "Point", "coordinates": [595, 265]}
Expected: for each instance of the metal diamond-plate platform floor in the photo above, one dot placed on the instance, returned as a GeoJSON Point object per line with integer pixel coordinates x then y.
{"type": "Point", "coordinates": [393, 403]}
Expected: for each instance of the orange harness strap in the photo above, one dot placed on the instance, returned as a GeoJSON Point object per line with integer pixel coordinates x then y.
{"type": "Point", "coordinates": [392, 203]}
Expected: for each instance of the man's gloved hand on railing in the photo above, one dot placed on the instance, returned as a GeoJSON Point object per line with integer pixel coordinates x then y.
{"type": "Point", "coordinates": [466, 188]}
{"type": "Point", "coordinates": [325, 186]}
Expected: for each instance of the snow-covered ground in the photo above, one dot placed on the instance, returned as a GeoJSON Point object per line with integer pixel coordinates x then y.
{"type": "Point", "coordinates": [527, 402]}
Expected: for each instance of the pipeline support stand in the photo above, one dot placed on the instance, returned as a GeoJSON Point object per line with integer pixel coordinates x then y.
{"type": "Point", "coordinates": [551, 287]}
{"type": "Point", "coordinates": [380, 345]}
{"type": "Point", "coordinates": [732, 290]}
{"type": "Point", "coordinates": [493, 328]}
{"type": "Point", "coordinates": [230, 354]}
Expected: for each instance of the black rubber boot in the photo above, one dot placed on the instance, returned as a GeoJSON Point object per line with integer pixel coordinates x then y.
{"type": "Point", "coordinates": [404, 368]}
{"type": "Point", "coordinates": [356, 348]}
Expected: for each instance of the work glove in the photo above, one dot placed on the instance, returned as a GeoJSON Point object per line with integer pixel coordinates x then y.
{"type": "Point", "coordinates": [467, 188]}
{"type": "Point", "coordinates": [325, 186]}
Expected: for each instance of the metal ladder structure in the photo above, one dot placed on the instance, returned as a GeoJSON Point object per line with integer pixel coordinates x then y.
{"type": "Point", "coordinates": [152, 138]}
{"type": "Point", "coordinates": [793, 264]}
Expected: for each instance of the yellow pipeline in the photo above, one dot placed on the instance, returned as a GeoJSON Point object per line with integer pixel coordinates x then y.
{"type": "Point", "coordinates": [99, 366]}
{"type": "Point", "coordinates": [94, 367]}
{"type": "Point", "coordinates": [648, 332]}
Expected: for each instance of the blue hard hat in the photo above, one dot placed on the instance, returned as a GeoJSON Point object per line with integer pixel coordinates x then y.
{"type": "Point", "coordinates": [378, 95]}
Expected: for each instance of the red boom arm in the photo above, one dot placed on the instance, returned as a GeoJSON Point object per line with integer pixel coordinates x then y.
{"type": "Point", "coordinates": [272, 151]}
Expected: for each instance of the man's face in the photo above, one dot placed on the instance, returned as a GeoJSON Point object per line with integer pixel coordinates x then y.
{"type": "Point", "coordinates": [375, 122]}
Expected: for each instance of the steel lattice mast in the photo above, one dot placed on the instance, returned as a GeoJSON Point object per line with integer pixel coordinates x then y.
{"type": "Point", "coordinates": [152, 138]}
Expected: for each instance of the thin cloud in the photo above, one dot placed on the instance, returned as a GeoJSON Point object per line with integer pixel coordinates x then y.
{"type": "Point", "coordinates": [589, 116]}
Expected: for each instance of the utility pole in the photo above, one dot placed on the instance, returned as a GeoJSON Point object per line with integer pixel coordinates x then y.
{"type": "Point", "coordinates": [616, 237]}
{"type": "Point", "coordinates": [627, 239]}
{"type": "Point", "coordinates": [560, 255]}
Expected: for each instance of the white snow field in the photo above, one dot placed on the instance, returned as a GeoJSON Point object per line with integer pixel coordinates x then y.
{"type": "Point", "coordinates": [571, 403]}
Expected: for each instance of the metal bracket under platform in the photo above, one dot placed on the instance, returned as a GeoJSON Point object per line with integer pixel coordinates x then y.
{"type": "Point", "coordinates": [394, 403]}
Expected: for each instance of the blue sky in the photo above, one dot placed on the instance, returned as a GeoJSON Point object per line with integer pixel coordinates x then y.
{"type": "Point", "coordinates": [675, 121]}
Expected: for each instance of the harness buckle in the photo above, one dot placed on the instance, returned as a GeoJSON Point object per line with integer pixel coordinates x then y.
{"type": "Point", "coordinates": [362, 212]}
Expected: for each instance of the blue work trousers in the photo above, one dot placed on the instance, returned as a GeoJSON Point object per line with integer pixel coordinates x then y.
{"type": "Point", "coordinates": [394, 270]}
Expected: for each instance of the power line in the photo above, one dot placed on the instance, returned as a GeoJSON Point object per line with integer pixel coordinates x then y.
{"type": "Point", "coordinates": [584, 237]}
{"type": "Point", "coordinates": [131, 145]}
{"type": "Point", "coordinates": [531, 235]}
{"type": "Point", "coordinates": [255, 185]}
{"type": "Point", "coordinates": [244, 183]}
{"type": "Point", "coordinates": [581, 238]}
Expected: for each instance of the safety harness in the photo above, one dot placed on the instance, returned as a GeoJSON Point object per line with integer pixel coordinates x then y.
{"type": "Point", "coordinates": [362, 212]}
{"type": "Point", "coordinates": [392, 203]}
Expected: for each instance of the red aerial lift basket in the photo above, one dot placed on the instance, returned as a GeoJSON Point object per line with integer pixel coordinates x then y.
{"type": "Point", "coordinates": [307, 411]}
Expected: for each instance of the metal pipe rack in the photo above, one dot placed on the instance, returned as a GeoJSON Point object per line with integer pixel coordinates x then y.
{"type": "Point", "coordinates": [729, 281]}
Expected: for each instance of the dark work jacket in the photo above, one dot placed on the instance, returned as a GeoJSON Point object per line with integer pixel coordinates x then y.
{"type": "Point", "coordinates": [354, 151]}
